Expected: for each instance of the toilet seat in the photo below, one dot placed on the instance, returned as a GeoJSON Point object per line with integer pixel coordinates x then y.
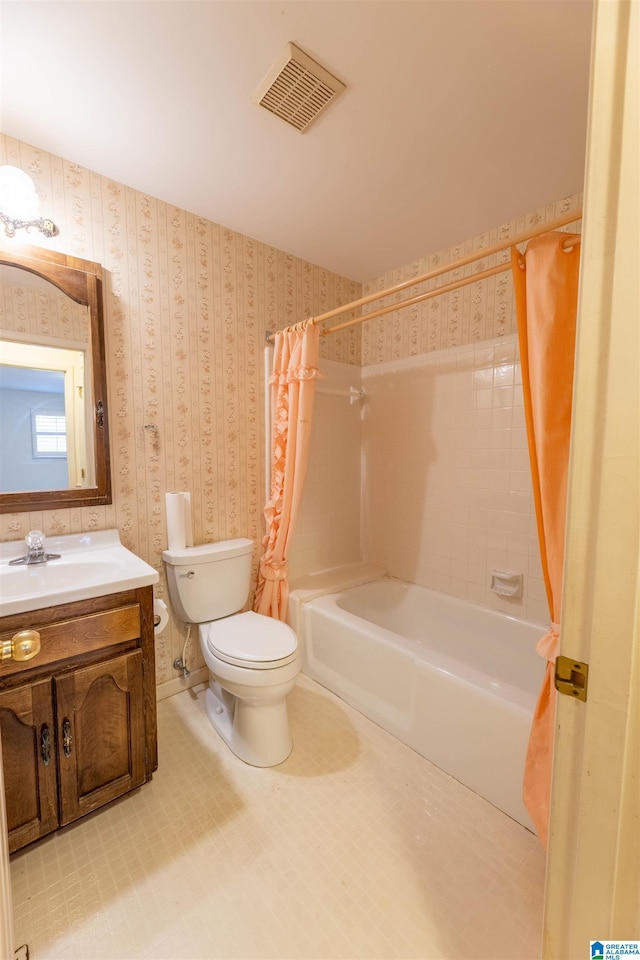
{"type": "Point", "coordinates": [252, 640]}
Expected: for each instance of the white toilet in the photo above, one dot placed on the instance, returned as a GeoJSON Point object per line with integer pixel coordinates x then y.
{"type": "Point", "coordinates": [253, 660]}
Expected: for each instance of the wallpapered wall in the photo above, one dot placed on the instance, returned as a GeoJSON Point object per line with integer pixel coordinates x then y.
{"type": "Point", "coordinates": [187, 303]}
{"type": "Point", "coordinates": [41, 312]}
{"type": "Point", "coordinates": [478, 311]}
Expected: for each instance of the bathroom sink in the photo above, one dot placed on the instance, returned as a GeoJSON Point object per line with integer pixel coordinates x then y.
{"type": "Point", "coordinates": [90, 565]}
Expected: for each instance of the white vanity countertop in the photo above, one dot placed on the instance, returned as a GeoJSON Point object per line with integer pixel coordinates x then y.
{"type": "Point", "coordinates": [90, 565]}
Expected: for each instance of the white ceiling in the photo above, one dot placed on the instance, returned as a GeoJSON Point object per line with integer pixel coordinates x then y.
{"type": "Point", "coordinates": [458, 114]}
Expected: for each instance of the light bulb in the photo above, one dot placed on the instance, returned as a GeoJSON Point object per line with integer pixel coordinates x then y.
{"type": "Point", "coordinates": [18, 197]}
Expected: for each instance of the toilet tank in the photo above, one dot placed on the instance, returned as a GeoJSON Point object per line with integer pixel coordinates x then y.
{"type": "Point", "coordinates": [210, 581]}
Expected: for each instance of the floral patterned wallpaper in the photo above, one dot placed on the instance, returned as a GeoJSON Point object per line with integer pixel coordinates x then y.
{"type": "Point", "coordinates": [187, 304]}
{"type": "Point", "coordinates": [478, 311]}
{"type": "Point", "coordinates": [42, 313]}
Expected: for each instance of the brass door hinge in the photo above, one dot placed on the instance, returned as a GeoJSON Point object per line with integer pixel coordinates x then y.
{"type": "Point", "coordinates": [571, 677]}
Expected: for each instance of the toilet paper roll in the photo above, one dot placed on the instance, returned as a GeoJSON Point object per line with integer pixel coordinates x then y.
{"type": "Point", "coordinates": [160, 616]}
{"type": "Point", "coordinates": [179, 529]}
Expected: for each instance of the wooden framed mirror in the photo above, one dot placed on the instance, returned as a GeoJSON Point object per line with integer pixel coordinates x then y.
{"type": "Point", "coordinates": [54, 436]}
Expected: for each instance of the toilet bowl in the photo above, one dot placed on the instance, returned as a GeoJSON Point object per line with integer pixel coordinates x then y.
{"type": "Point", "coordinates": [253, 660]}
{"type": "Point", "coordinates": [246, 699]}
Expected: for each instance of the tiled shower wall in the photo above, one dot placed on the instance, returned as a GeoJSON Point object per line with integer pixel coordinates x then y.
{"type": "Point", "coordinates": [446, 483]}
{"type": "Point", "coordinates": [428, 475]}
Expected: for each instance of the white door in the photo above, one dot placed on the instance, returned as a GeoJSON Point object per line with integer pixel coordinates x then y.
{"type": "Point", "coordinates": [593, 869]}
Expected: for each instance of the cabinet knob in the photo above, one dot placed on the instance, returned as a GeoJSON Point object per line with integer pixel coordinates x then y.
{"type": "Point", "coordinates": [22, 646]}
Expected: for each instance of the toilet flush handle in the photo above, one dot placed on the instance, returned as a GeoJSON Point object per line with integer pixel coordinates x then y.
{"type": "Point", "coordinates": [187, 576]}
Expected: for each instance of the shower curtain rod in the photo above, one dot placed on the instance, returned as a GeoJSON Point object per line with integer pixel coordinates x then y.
{"type": "Point", "coordinates": [562, 221]}
{"type": "Point", "coordinates": [448, 287]}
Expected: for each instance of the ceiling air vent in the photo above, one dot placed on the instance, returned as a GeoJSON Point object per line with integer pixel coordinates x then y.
{"type": "Point", "coordinates": [297, 88]}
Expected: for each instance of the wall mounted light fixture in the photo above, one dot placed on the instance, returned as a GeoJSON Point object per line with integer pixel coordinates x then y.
{"type": "Point", "coordinates": [19, 204]}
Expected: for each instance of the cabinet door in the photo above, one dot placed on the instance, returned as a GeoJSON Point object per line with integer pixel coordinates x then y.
{"type": "Point", "coordinates": [101, 741]}
{"type": "Point", "coordinates": [29, 762]}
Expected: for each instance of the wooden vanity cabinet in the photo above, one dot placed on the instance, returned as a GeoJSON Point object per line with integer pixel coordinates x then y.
{"type": "Point", "coordinates": [78, 721]}
{"type": "Point", "coordinates": [30, 782]}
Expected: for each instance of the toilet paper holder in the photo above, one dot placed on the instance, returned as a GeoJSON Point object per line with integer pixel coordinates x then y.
{"type": "Point", "coordinates": [160, 616]}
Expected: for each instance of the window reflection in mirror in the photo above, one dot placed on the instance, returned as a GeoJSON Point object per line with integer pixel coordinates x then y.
{"type": "Point", "coordinates": [44, 406]}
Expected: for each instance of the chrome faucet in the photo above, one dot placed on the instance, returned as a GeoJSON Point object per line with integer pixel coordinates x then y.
{"type": "Point", "coordinates": [35, 550]}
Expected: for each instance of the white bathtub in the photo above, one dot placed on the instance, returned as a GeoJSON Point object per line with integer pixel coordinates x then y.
{"type": "Point", "coordinates": [454, 681]}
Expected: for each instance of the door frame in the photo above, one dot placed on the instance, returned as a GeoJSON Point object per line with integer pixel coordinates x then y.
{"type": "Point", "coordinates": [593, 866]}
{"type": "Point", "coordinates": [6, 905]}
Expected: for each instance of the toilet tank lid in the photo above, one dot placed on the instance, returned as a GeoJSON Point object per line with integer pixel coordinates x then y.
{"type": "Point", "coordinates": [208, 552]}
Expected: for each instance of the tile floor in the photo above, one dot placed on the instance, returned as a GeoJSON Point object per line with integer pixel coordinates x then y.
{"type": "Point", "coordinates": [355, 847]}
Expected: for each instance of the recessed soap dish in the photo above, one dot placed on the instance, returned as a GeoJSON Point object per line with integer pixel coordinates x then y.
{"type": "Point", "coordinates": [506, 583]}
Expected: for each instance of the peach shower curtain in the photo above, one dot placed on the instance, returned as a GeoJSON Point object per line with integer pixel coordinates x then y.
{"type": "Point", "coordinates": [546, 293]}
{"type": "Point", "coordinates": [293, 380]}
